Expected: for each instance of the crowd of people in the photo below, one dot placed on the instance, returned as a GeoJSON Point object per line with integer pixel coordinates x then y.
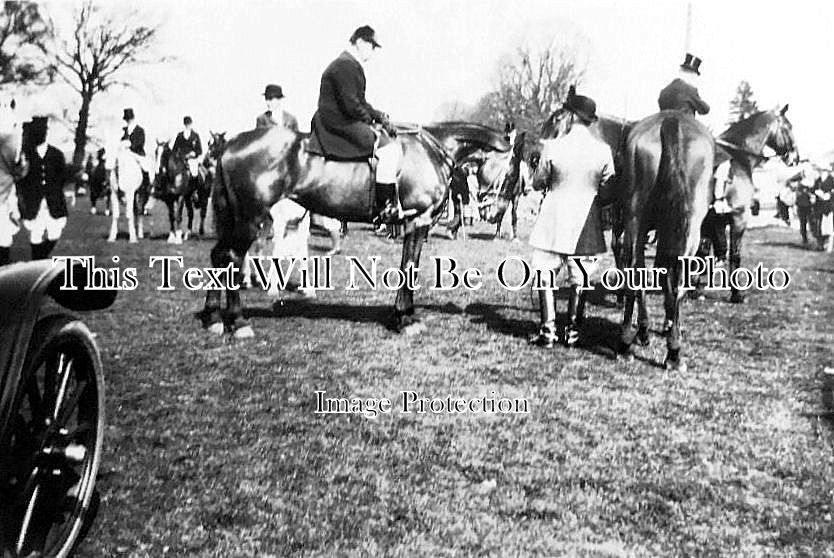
{"type": "Point", "coordinates": [808, 195]}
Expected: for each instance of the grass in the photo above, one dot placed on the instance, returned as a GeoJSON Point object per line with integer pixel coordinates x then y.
{"type": "Point", "coordinates": [213, 449]}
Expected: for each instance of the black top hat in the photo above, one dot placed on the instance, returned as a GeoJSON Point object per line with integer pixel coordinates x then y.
{"type": "Point", "coordinates": [187, 120]}
{"type": "Point", "coordinates": [367, 33]}
{"type": "Point", "coordinates": [128, 115]}
{"type": "Point", "coordinates": [582, 106]}
{"type": "Point", "coordinates": [273, 91]}
{"type": "Point", "coordinates": [691, 64]}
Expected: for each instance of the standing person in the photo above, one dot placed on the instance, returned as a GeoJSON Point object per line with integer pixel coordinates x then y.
{"type": "Point", "coordinates": [275, 115]}
{"type": "Point", "coordinates": [825, 205]}
{"type": "Point", "coordinates": [577, 169]}
{"type": "Point", "coordinates": [682, 93]}
{"type": "Point", "coordinates": [41, 191]}
{"type": "Point", "coordinates": [805, 200]}
{"type": "Point", "coordinates": [342, 123]}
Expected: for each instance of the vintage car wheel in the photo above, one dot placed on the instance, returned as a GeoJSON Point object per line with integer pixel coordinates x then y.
{"type": "Point", "coordinates": [48, 470]}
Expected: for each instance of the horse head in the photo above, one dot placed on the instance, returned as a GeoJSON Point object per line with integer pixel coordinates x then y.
{"type": "Point", "coordinates": [780, 136]}
{"type": "Point", "coordinates": [498, 178]}
{"type": "Point", "coordinates": [216, 145]}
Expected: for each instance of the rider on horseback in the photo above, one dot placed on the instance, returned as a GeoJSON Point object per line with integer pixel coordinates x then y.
{"type": "Point", "coordinates": [681, 93]}
{"type": "Point", "coordinates": [187, 146]}
{"type": "Point", "coordinates": [133, 137]}
{"type": "Point", "coordinates": [275, 114]}
{"type": "Point", "coordinates": [342, 123]}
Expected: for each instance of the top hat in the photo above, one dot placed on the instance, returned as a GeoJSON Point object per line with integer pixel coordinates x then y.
{"type": "Point", "coordinates": [37, 129]}
{"type": "Point", "coordinates": [367, 33]}
{"type": "Point", "coordinates": [273, 91]}
{"type": "Point", "coordinates": [582, 106]}
{"type": "Point", "coordinates": [187, 120]}
{"type": "Point", "coordinates": [128, 114]}
{"type": "Point", "coordinates": [691, 64]}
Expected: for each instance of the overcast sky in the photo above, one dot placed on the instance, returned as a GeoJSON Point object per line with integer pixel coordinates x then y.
{"type": "Point", "coordinates": [435, 51]}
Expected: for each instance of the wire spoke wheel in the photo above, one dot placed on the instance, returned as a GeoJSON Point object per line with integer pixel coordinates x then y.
{"type": "Point", "coordinates": [49, 463]}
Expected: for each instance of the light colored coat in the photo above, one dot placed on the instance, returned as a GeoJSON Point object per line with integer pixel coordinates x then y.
{"type": "Point", "coordinates": [573, 167]}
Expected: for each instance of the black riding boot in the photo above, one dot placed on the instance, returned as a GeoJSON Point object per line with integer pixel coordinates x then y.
{"type": "Point", "coordinates": [5, 255]}
{"type": "Point", "coordinates": [36, 251]}
{"type": "Point", "coordinates": [386, 196]}
{"type": "Point", "coordinates": [546, 337]}
{"type": "Point", "coordinates": [576, 309]}
{"type": "Point", "coordinates": [46, 248]}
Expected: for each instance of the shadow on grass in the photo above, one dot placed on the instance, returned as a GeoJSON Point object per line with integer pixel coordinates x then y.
{"type": "Point", "coordinates": [382, 314]}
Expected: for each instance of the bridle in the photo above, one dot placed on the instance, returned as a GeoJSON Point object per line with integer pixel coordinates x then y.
{"type": "Point", "coordinates": [758, 156]}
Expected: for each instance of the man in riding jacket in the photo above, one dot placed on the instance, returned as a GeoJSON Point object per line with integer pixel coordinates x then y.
{"type": "Point", "coordinates": [41, 192]}
{"type": "Point", "coordinates": [275, 114]}
{"type": "Point", "coordinates": [189, 148]}
{"type": "Point", "coordinates": [681, 93]}
{"type": "Point", "coordinates": [576, 170]}
{"type": "Point", "coordinates": [133, 137]}
{"type": "Point", "coordinates": [342, 123]}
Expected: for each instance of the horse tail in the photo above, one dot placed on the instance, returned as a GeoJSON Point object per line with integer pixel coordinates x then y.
{"type": "Point", "coordinates": [672, 186]}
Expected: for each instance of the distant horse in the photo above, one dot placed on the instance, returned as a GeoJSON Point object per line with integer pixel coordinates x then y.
{"type": "Point", "coordinates": [744, 144]}
{"type": "Point", "coordinates": [125, 170]}
{"type": "Point", "coordinates": [491, 151]}
{"type": "Point", "coordinates": [99, 183]}
{"type": "Point", "coordinates": [204, 179]}
{"type": "Point", "coordinates": [175, 187]}
{"type": "Point", "coordinates": [260, 167]}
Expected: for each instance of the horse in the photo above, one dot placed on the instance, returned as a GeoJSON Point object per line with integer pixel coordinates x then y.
{"type": "Point", "coordinates": [175, 186]}
{"type": "Point", "coordinates": [743, 143]}
{"type": "Point", "coordinates": [11, 168]}
{"type": "Point", "coordinates": [125, 169]}
{"type": "Point", "coordinates": [491, 151]}
{"type": "Point", "coordinates": [260, 167]}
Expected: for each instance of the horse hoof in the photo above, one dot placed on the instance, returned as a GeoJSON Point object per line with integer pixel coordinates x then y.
{"type": "Point", "coordinates": [111, 239]}
{"type": "Point", "coordinates": [133, 240]}
{"type": "Point", "coordinates": [643, 338]}
{"type": "Point", "coordinates": [172, 239]}
{"type": "Point", "coordinates": [737, 298]}
{"type": "Point", "coordinates": [216, 328]}
{"type": "Point", "coordinates": [676, 365]}
{"type": "Point", "coordinates": [414, 328]}
{"type": "Point", "coordinates": [245, 332]}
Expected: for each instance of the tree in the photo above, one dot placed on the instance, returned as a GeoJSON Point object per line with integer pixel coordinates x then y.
{"type": "Point", "coordinates": [101, 47]}
{"type": "Point", "coordinates": [743, 105]}
{"type": "Point", "coordinates": [529, 86]}
{"type": "Point", "coordinates": [22, 32]}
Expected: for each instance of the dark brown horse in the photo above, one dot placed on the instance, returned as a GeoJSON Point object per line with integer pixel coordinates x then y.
{"type": "Point", "coordinates": [174, 186]}
{"type": "Point", "coordinates": [262, 166]}
{"type": "Point", "coordinates": [666, 186]}
{"type": "Point", "coordinates": [495, 155]}
{"type": "Point", "coordinates": [743, 143]}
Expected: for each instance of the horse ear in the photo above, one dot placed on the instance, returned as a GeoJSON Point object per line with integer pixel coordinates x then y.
{"type": "Point", "coordinates": [572, 91]}
{"type": "Point", "coordinates": [784, 109]}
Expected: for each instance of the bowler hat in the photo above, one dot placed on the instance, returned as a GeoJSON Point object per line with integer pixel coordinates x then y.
{"type": "Point", "coordinates": [691, 64]}
{"type": "Point", "coordinates": [582, 106]}
{"type": "Point", "coordinates": [128, 114]}
{"type": "Point", "coordinates": [367, 33]}
{"type": "Point", "coordinates": [187, 120]}
{"type": "Point", "coordinates": [273, 91]}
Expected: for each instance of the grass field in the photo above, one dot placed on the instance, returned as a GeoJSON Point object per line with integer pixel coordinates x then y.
{"type": "Point", "coordinates": [213, 449]}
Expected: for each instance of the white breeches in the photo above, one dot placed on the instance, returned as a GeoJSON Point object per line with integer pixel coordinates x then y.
{"type": "Point", "coordinates": [44, 223]}
{"type": "Point", "coordinates": [8, 228]}
{"type": "Point", "coordinates": [389, 162]}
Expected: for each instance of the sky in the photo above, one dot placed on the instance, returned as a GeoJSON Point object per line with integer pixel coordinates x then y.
{"type": "Point", "coordinates": [437, 51]}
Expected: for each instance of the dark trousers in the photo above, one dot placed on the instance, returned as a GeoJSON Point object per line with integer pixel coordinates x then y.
{"type": "Point", "coordinates": [783, 211]}
{"type": "Point", "coordinates": [714, 235]}
{"type": "Point", "coordinates": [805, 219]}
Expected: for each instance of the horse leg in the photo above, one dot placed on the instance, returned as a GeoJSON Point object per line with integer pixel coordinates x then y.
{"type": "Point", "coordinates": [406, 322]}
{"type": "Point", "coordinates": [169, 202]}
{"type": "Point", "coordinates": [642, 314]}
{"type": "Point", "coordinates": [130, 206]}
{"type": "Point", "coordinates": [178, 230]}
{"type": "Point", "coordinates": [114, 213]}
{"type": "Point", "coordinates": [672, 302]}
{"type": "Point", "coordinates": [237, 254]}
{"type": "Point", "coordinates": [514, 217]}
{"type": "Point", "coordinates": [737, 227]}
{"type": "Point", "coordinates": [627, 331]}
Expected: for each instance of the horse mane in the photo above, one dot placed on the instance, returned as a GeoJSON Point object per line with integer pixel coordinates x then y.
{"type": "Point", "coordinates": [434, 147]}
{"type": "Point", "coordinates": [743, 129]}
{"type": "Point", "coordinates": [471, 132]}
